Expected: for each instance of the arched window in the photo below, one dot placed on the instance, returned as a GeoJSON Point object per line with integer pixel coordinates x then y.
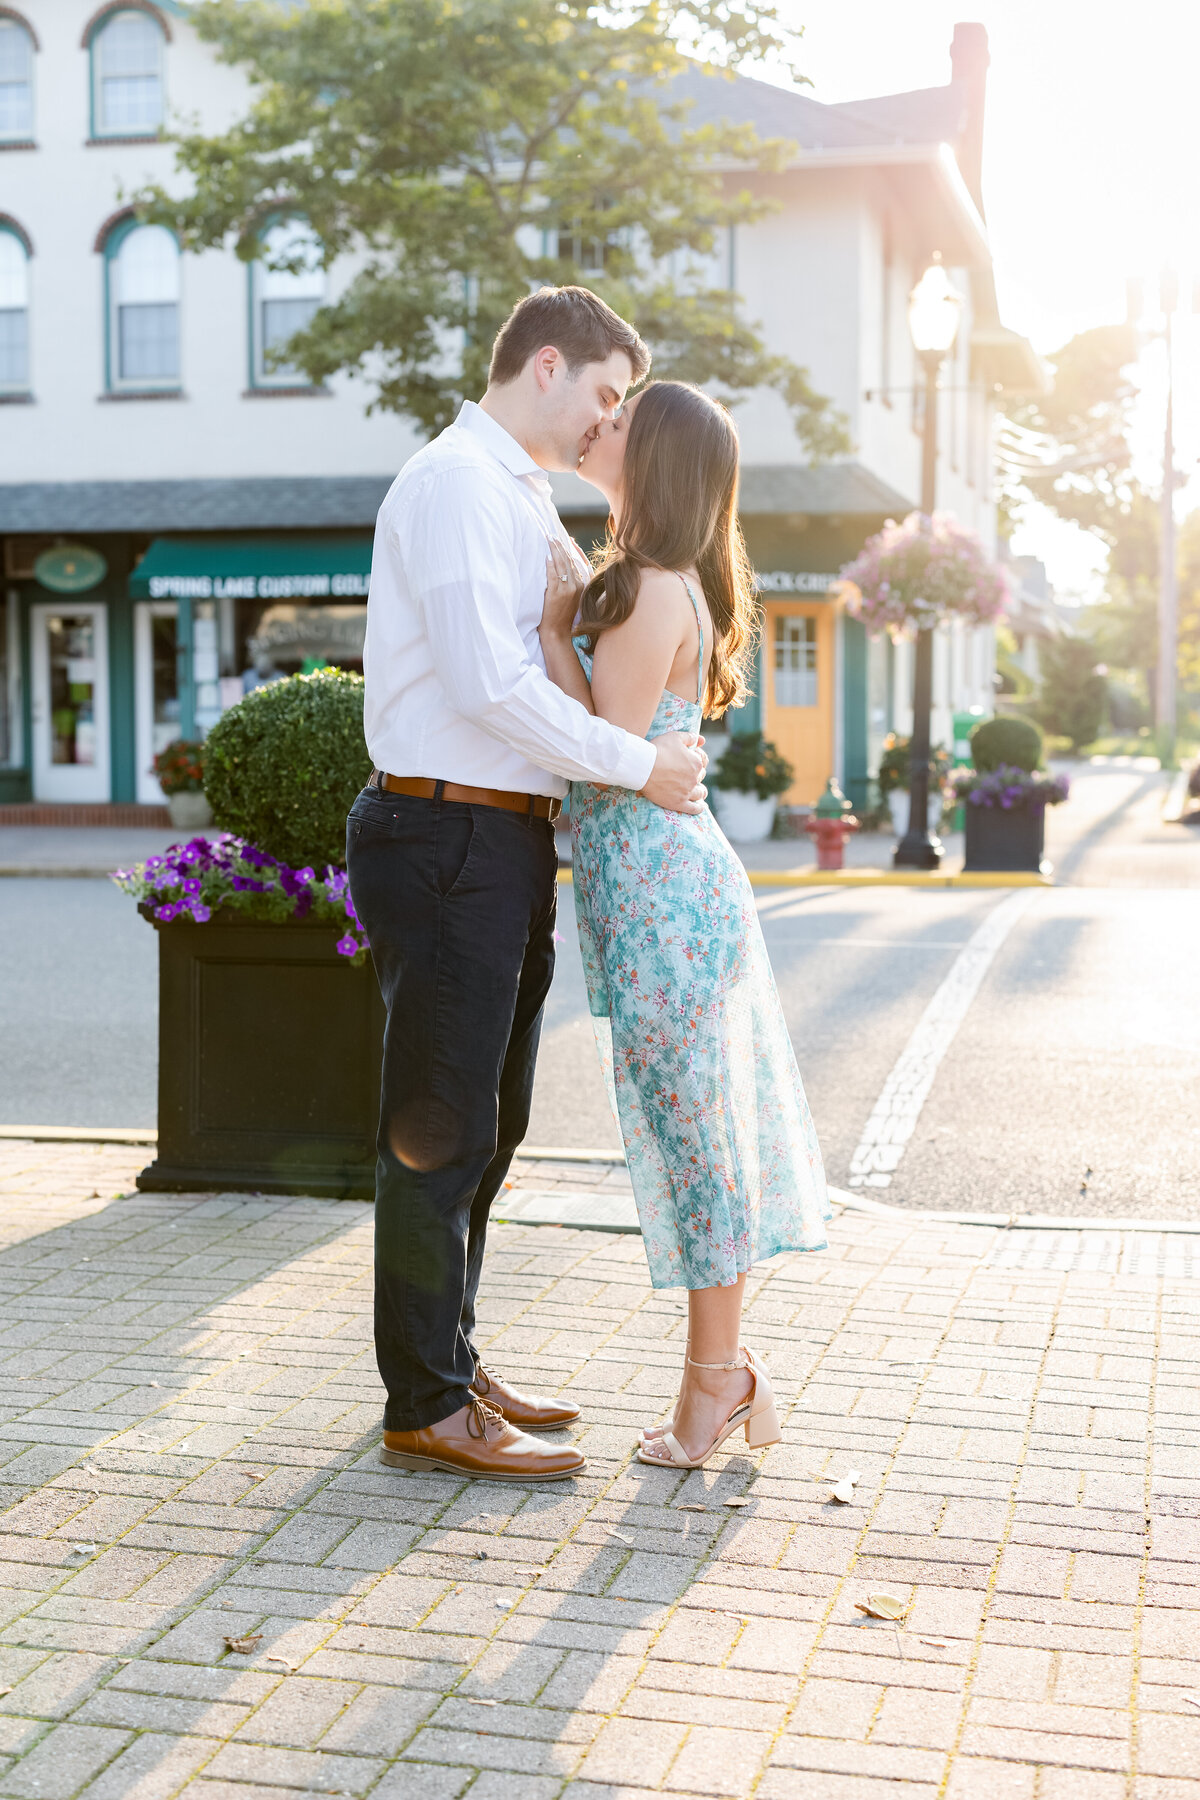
{"type": "Point", "coordinates": [14, 313]}
{"type": "Point", "coordinates": [143, 308]}
{"type": "Point", "coordinates": [16, 82]}
{"type": "Point", "coordinates": [283, 299]}
{"type": "Point", "coordinates": [127, 76]}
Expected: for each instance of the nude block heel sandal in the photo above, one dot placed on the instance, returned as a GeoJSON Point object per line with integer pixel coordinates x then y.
{"type": "Point", "coordinates": [757, 1416]}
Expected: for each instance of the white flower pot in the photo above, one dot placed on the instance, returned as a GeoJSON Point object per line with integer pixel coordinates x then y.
{"type": "Point", "coordinates": [189, 812]}
{"type": "Point", "coordinates": [898, 807]}
{"type": "Point", "coordinates": [744, 818]}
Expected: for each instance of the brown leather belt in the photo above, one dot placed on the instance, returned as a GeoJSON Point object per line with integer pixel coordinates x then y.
{"type": "Point", "coordinates": [535, 806]}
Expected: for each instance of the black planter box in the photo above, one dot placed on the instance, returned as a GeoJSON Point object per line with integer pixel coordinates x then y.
{"type": "Point", "coordinates": [269, 1053]}
{"type": "Point", "coordinates": [1004, 840]}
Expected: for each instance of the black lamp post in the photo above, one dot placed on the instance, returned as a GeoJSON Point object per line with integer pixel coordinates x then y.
{"type": "Point", "coordinates": [933, 310]}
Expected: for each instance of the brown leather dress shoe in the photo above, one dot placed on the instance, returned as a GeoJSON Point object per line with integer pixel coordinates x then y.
{"type": "Point", "coordinates": [479, 1441]}
{"type": "Point", "coordinates": [528, 1412]}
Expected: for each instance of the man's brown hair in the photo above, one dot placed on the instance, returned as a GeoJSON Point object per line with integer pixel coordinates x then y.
{"type": "Point", "coordinates": [573, 320]}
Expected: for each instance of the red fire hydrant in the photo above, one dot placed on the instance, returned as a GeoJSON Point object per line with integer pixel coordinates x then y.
{"type": "Point", "coordinates": [831, 825]}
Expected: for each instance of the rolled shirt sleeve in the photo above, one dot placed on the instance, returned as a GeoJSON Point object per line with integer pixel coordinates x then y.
{"type": "Point", "coordinates": [459, 554]}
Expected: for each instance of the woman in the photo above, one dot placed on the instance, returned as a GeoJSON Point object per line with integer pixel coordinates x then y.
{"type": "Point", "coordinates": [718, 1136]}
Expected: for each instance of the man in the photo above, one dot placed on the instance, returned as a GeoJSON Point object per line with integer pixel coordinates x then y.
{"type": "Point", "coordinates": [452, 858]}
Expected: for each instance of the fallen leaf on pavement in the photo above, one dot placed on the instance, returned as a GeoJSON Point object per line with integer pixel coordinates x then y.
{"type": "Point", "coordinates": [1192, 1699]}
{"type": "Point", "coordinates": [242, 1646]}
{"type": "Point", "coordinates": [844, 1491]}
{"type": "Point", "coordinates": [613, 1532]}
{"type": "Point", "coordinates": [690, 1506]}
{"type": "Point", "coordinates": [735, 1502]}
{"type": "Point", "coordinates": [291, 1667]}
{"type": "Point", "coordinates": [882, 1606]}
{"type": "Point", "coordinates": [934, 1643]}
{"type": "Point", "coordinates": [83, 1549]}
{"type": "Point", "coordinates": [4, 1691]}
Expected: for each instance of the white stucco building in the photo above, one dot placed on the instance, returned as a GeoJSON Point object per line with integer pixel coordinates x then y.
{"type": "Point", "coordinates": [178, 516]}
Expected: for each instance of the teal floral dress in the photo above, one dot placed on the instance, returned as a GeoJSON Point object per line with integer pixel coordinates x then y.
{"type": "Point", "coordinates": [718, 1136]}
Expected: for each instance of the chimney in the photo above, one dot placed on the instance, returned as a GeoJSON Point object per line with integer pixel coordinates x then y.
{"type": "Point", "coordinates": [969, 66]}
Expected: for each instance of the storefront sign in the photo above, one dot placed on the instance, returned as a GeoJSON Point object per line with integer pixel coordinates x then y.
{"type": "Point", "coordinates": [70, 569]}
{"type": "Point", "coordinates": [258, 587]}
{"type": "Point", "coordinates": [791, 581]}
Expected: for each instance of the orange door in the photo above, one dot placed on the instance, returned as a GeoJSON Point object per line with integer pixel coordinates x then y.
{"type": "Point", "coordinates": [798, 672]}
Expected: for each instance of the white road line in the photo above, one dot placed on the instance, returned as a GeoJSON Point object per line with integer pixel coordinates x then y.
{"type": "Point", "coordinates": [898, 1107]}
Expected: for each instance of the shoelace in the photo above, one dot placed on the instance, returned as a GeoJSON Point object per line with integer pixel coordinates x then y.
{"type": "Point", "coordinates": [484, 1378]}
{"type": "Point", "coordinates": [481, 1416]}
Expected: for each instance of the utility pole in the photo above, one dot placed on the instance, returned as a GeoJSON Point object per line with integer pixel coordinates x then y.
{"type": "Point", "coordinates": [1168, 580]}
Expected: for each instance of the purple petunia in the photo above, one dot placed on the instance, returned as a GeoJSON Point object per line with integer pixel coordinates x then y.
{"type": "Point", "coordinates": [1008, 787]}
{"type": "Point", "coordinates": [197, 880]}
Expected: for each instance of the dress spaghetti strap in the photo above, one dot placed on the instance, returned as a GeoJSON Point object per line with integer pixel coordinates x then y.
{"type": "Point", "coordinates": [700, 628]}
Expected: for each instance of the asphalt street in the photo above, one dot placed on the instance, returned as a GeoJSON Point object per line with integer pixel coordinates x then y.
{"type": "Point", "coordinates": [1070, 1085]}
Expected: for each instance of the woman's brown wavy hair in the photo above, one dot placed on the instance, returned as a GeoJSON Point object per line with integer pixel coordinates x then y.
{"type": "Point", "coordinates": [679, 510]}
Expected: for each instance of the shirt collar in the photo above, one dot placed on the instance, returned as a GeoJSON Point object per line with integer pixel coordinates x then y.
{"type": "Point", "coordinates": [498, 442]}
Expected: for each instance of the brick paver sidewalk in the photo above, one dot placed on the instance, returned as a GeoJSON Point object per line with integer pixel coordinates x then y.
{"type": "Point", "coordinates": [187, 1456]}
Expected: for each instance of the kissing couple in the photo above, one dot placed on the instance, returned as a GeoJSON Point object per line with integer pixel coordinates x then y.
{"type": "Point", "coordinates": [501, 667]}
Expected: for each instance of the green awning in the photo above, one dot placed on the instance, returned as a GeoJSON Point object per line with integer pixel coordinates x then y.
{"type": "Point", "coordinates": [298, 567]}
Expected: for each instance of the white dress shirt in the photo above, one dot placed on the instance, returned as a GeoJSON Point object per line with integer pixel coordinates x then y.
{"type": "Point", "coordinates": [456, 683]}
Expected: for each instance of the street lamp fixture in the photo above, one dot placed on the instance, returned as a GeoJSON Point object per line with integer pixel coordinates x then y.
{"type": "Point", "coordinates": [933, 309]}
{"type": "Point", "coordinates": [933, 313]}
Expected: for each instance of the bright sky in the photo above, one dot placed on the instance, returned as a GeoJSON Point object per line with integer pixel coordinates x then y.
{"type": "Point", "coordinates": [1091, 172]}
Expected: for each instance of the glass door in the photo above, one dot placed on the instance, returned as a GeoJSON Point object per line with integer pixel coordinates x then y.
{"type": "Point", "coordinates": [156, 678]}
{"type": "Point", "coordinates": [70, 701]}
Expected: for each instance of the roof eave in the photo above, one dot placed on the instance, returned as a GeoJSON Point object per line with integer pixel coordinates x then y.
{"type": "Point", "coordinates": [955, 224]}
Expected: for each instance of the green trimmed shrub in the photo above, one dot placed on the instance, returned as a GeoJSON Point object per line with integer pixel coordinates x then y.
{"type": "Point", "coordinates": [1006, 741]}
{"type": "Point", "coordinates": [283, 766]}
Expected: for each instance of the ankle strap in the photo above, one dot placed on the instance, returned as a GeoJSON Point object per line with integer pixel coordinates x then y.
{"type": "Point", "coordinates": [738, 1363]}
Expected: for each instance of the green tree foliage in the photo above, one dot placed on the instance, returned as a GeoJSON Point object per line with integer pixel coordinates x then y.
{"type": "Point", "coordinates": [282, 767]}
{"type": "Point", "coordinates": [1072, 697]}
{"type": "Point", "coordinates": [1073, 452]}
{"type": "Point", "coordinates": [469, 150]}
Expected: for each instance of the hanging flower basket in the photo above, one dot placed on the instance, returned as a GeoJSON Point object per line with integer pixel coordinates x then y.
{"type": "Point", "coordinates": [915, 574]}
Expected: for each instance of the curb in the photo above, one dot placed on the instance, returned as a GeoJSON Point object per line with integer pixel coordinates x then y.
{"type": "Point", "coordinates": [1013, 1221]}
{"type": "Point", "coordinates": [876, 878]}
{"type": "Point", "coordinates": [593, 1211]}
{"type": "Point", "coordinates": [78, 1134]}
{"type": "Point", "coordinates": [549, 1201]}
{"type": "Point", "coordinates": [146, 1134]}
{"type": "Point", "coordinates": [8, 871]}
